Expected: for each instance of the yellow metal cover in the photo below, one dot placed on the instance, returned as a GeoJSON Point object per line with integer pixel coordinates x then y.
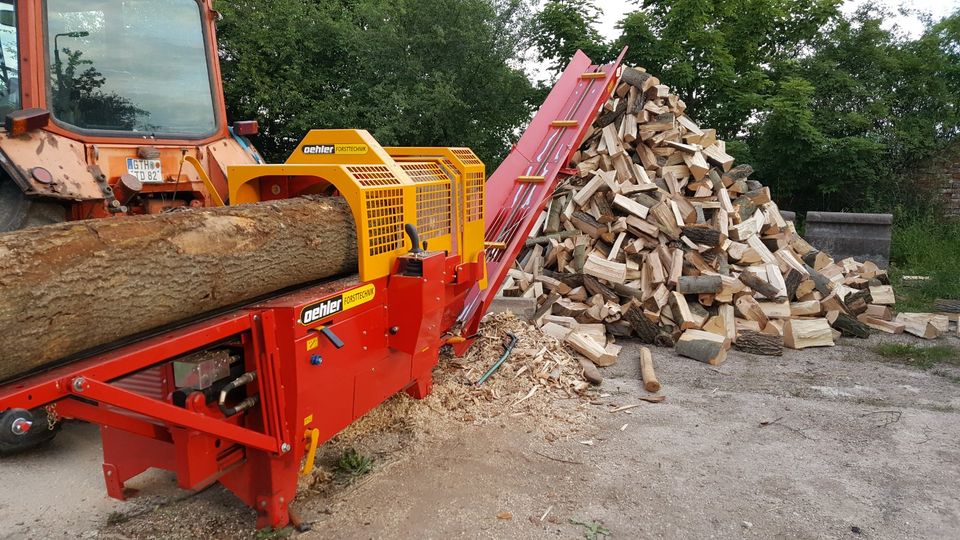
{"type": "Point", "coordinates": [440, 190]}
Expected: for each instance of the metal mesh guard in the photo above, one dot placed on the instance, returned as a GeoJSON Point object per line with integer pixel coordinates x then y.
{"type": "Point", "coordinates": [475, 196]}
{"type": "Point", "coordinates": [466, 156]}
{"type": "Point", "coordinates": [384, 220]}
{"type": "Point", "coordinates": [433, 199]}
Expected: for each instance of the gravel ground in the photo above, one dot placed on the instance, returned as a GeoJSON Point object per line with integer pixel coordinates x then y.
{"type": "Point", "coordinates": [826, 443]}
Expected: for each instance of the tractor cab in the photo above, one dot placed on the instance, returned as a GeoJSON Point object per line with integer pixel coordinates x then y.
{"type": "Point", "coordinates": [112, 107]}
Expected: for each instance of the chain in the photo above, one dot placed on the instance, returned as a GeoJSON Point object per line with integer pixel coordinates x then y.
{"type": "Point", "coordinates": [52, 416]}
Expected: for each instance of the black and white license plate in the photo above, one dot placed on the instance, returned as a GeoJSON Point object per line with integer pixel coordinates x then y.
{"type": "Point", "coordinates": [146, 171]}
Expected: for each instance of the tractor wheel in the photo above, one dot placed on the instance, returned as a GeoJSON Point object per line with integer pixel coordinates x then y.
{"type": "Point", "coordinates": [39, 433]}
{"type": "Point", "coordinates": [19, 212]}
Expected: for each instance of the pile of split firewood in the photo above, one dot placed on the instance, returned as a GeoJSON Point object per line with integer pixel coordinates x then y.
{"type": "Point", "coordinates": [660, 237]}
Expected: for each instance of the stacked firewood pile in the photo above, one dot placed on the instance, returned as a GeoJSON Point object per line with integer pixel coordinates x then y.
{"type": "Point", "coordinates": [659, 236]}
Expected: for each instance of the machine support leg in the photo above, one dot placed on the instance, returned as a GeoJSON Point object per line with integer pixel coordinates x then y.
{"type": "Point", "coordinates": [422, 387]}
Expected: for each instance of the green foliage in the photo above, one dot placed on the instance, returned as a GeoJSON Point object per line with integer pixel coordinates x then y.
{"type": "Point", "coordinates": [920, 357]}
{"type": "Point", "coordinates": [848, 123]}
{"type": "Point", "coordinates": [564, 26]}
{"type": "Point", "coordinates": [722, 56]}
{"type": "Point", "coordinates": [353, 464]}
{"type": "Point", "coordinates": [928, 247]}
{"type": "Point", "coordinates": [412, 72]}
{"type": "Point", "coordinates": [835, 112]}
{"type": "Point", "coordinates": [594, 529]}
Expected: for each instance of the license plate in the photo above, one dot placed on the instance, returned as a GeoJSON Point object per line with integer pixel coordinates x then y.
{"type": "Point", "coordinates": [146, 171]}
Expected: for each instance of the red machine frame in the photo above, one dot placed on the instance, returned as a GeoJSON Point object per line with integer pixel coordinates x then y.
{"type": "Point", "coordinates": [308, 386]}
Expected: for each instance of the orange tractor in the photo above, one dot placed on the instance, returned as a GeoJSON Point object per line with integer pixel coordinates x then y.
{"type": "Point", "coordinates": [112, 107]}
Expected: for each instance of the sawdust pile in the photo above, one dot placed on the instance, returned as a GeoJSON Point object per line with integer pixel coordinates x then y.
{"type": "Point", "coordinates": [539, 387]}
{"type": "Point", "coordinates": [538, 374]}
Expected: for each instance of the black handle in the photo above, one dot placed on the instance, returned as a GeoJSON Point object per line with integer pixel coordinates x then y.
{"type": "Point", "coordinates": [414, 237]}
{"type": "Point", "coordinates": [337, 342]}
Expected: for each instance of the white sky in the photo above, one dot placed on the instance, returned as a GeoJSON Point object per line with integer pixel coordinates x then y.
{"type": "Point", "coordinates": [614, 10]}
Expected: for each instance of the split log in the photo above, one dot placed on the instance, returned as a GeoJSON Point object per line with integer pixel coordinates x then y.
{"type": "Point", "coordinates": [751, 310]}
{"type": "Point", "coordinates": [883, 295]}
{"type": "Point", "coordinates": [776, 310]}
{"type": "Point", "coordinates": [920, 325]}
{"type": "Point", "coordinates": [810, 308]}
{"type": "Point", "coordinates": [72, 287]}
{"type": "Point", "coordinates": [699, 284]}
{"type": "Point", "coordinates": [760, 343]}
{"type": "Point", "coordinates": [648, 331]}
{"type": "Point", "coordinates": [597, 267]}
{"type": "Point", "coordinates": [650, 382]}
{"type": "Point", "coordinates": [800, 334]}
{"type": "Point", "coordinates": [703, 346]}
{"type": "Point", "coordinates": [702, 234]}
{"type": "Point", "coordinates": [594, 352]}
{"type": "Point", "coordinates": [759, 285]}
{"type": "Point", "coordinates": [594, 287]}
{"type": "Point", "coordinates": [879, 324]}
{"type": "Point", "coordinates": [884, 313]}
{"type": "Point", "coordinates": [858, 302]}
{"type": "Point", "coordinates": [847, 325]}
{"type": "Point", "coordinates": [681, 310]}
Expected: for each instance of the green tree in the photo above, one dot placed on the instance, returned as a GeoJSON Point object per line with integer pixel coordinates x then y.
{"type": "Point", "coordinates": [722, 56]}
{"type": "Point", "coordinates": [849, 122]}
{"type": "Point", "coordinates": [833, 111]}
{"type": "Point", "coordinates": [412, 72]}
{"type": "Point", "coordinates": [564, 26]}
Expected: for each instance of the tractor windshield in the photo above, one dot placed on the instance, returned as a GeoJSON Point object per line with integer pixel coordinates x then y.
{"type": "Point", "coordinates": [129, 66]}
{"type": "Point", "coordinates": [9, 59]}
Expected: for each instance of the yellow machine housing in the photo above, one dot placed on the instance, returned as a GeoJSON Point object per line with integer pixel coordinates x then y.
{"type": "Point", "coordinates": [440, 190]}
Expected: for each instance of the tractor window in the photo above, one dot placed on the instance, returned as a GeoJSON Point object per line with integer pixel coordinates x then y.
{"type": "Point", "coordinates": [9, 58]}
{"type": "Point", "coordinates": [129, 66]}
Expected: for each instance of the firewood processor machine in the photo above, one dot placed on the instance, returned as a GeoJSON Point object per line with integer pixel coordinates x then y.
{"type": "Point", "coordinates": [245, 396]}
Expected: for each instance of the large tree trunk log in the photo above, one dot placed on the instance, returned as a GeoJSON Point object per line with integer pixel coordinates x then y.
{"type": "Point", "coordinates": [68, 288]}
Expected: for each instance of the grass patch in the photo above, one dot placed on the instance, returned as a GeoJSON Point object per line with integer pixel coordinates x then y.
{"type": "Point", "coordinates": [920, 357]}
{"type": "Point", "coordinates": [594, 529]}
{"type": "Point", "coordinates": [926, 247]}
{"type": "Point", "coordinates": [353, 464]}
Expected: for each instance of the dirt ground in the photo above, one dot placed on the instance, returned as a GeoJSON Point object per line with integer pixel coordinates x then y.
{"type": "Point", "coordinates": [826, 443]}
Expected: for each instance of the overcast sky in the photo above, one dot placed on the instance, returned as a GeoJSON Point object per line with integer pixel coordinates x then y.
{"type": "Point", "coordinates": [614, 10]}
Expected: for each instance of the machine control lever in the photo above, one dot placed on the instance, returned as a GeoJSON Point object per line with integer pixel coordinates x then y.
{"type": "Point", "coordinates": [414, 238]}
{"type": "Point", "coordinates": [335, 339]}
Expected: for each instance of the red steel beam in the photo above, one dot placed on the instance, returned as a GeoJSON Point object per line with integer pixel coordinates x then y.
{"type": "Point", "coordinates": [170, 414]}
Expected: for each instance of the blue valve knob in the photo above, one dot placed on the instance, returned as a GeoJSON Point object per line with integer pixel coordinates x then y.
{"type": "Point", "coordinates": [316, 360]}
